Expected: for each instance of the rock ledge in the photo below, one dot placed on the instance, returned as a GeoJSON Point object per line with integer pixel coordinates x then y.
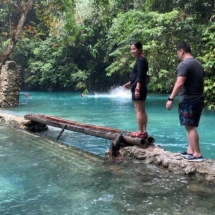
{"type": "Point", "coordinates": [174, 162]}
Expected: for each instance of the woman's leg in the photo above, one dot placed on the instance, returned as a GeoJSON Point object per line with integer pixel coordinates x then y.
{"type": "Point", "coordinates": [141, 115]}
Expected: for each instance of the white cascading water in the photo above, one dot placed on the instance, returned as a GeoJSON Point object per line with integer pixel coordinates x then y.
{"type": "Point", "coordinates": [115, 92]}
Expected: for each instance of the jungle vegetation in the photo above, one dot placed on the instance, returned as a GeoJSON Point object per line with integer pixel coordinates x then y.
{"type": "Point", "coordinates": [84, 44]}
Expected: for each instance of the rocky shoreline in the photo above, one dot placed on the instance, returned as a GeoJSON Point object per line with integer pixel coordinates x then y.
{"type": "Point", "coordinates": [15, 121]}
{"type": "Point", "coordinates": [174, 162]}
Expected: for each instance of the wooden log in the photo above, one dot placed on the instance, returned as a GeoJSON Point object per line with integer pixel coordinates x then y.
{"type": "Point", "coordinates": [93, 130]}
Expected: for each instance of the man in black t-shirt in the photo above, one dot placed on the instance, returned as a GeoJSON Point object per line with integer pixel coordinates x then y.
{"type": "Point", "coordinates": [190, 86]}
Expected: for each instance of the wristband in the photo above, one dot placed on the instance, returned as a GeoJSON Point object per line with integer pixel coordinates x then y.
{"type": "Point", "coordinates": [169, 99]}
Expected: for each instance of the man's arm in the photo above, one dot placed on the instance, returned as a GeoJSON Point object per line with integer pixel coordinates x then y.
{"type": "Point", "coordinates": [177, 87]}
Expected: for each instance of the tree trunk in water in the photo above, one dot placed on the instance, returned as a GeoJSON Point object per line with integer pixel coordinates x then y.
{"type": "Point", "coordinates": [16, 33]}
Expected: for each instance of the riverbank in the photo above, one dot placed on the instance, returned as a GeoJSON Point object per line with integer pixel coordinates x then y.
{"type": "Point", "coordinates": [174, 162]}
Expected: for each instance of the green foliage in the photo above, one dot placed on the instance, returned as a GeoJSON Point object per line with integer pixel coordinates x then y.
{"type": "Point", "coordinates": [160, 33]}
{"type": "Point", "coordinates": [208, 59]}
{"type": "Point", "coordinates": [48, 66]}
{"type": "Point", "coordinates": [197, 9]}
{"type": "Point", "coordinates": [79, 45]}
{"type": "Point", "coordinates": [80, 78]}
{"type": "Point", "coordinates": [85, 92]}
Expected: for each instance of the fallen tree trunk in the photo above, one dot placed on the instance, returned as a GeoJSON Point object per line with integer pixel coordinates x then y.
{"type": "Point", "coordinates": [93, 130]}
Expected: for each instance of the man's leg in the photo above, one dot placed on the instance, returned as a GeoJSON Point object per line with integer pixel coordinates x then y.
{"type": "Point", "coordinates": [193, 141]}
{"type": "Point", "coordinates": [141, 115]}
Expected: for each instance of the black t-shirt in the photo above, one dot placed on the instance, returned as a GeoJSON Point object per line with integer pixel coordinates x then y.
{"type": "Point", "coordinates": [139, 72]}
{"type": "Point", "coordinates": [193, 88]}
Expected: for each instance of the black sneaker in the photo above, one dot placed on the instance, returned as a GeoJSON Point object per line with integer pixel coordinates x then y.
{"type": "Point", "coordinates": [193, 158]}
{"type": "Point", "coordinates": [185, 154]}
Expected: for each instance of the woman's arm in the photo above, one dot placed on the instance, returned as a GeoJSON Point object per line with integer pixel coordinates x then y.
{"type": "Point", "coordinates": [127, 85]}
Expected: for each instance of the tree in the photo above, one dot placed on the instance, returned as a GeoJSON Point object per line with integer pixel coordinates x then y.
{"type": "Point", "coordinates": [24, 8]}
{"type": "Point", "coordinates": [208, 59]}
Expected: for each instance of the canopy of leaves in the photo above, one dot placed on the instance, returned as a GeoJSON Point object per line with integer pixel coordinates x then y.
{"type": "Point", "coordinates": [79, 45]}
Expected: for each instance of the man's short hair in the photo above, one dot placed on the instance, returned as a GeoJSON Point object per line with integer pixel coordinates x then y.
{"type": "Point", "coordinates": [184, 46]}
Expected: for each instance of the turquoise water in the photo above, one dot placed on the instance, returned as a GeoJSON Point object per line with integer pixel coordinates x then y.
{"type": "Point", "coordinates": [115, 109]}
{"type": "Point", "coordinates": [41, 177]}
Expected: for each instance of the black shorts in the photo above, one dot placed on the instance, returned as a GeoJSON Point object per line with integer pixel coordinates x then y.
{"type": "Point", "coordinates": [143, 94]}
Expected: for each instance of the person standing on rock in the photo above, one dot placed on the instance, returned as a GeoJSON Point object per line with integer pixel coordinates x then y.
{"type": "Point", "coordinates": [138, 84]}
{"type": "Point", "coordinates": [190, 86]}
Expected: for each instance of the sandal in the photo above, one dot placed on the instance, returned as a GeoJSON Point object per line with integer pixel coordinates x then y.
{"type": "Point", "coordinates": [139, 134]}
{"type": "Point", "coordinates": [135, 134]}
{"type": "Point", "coordinates": [144, 135]}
